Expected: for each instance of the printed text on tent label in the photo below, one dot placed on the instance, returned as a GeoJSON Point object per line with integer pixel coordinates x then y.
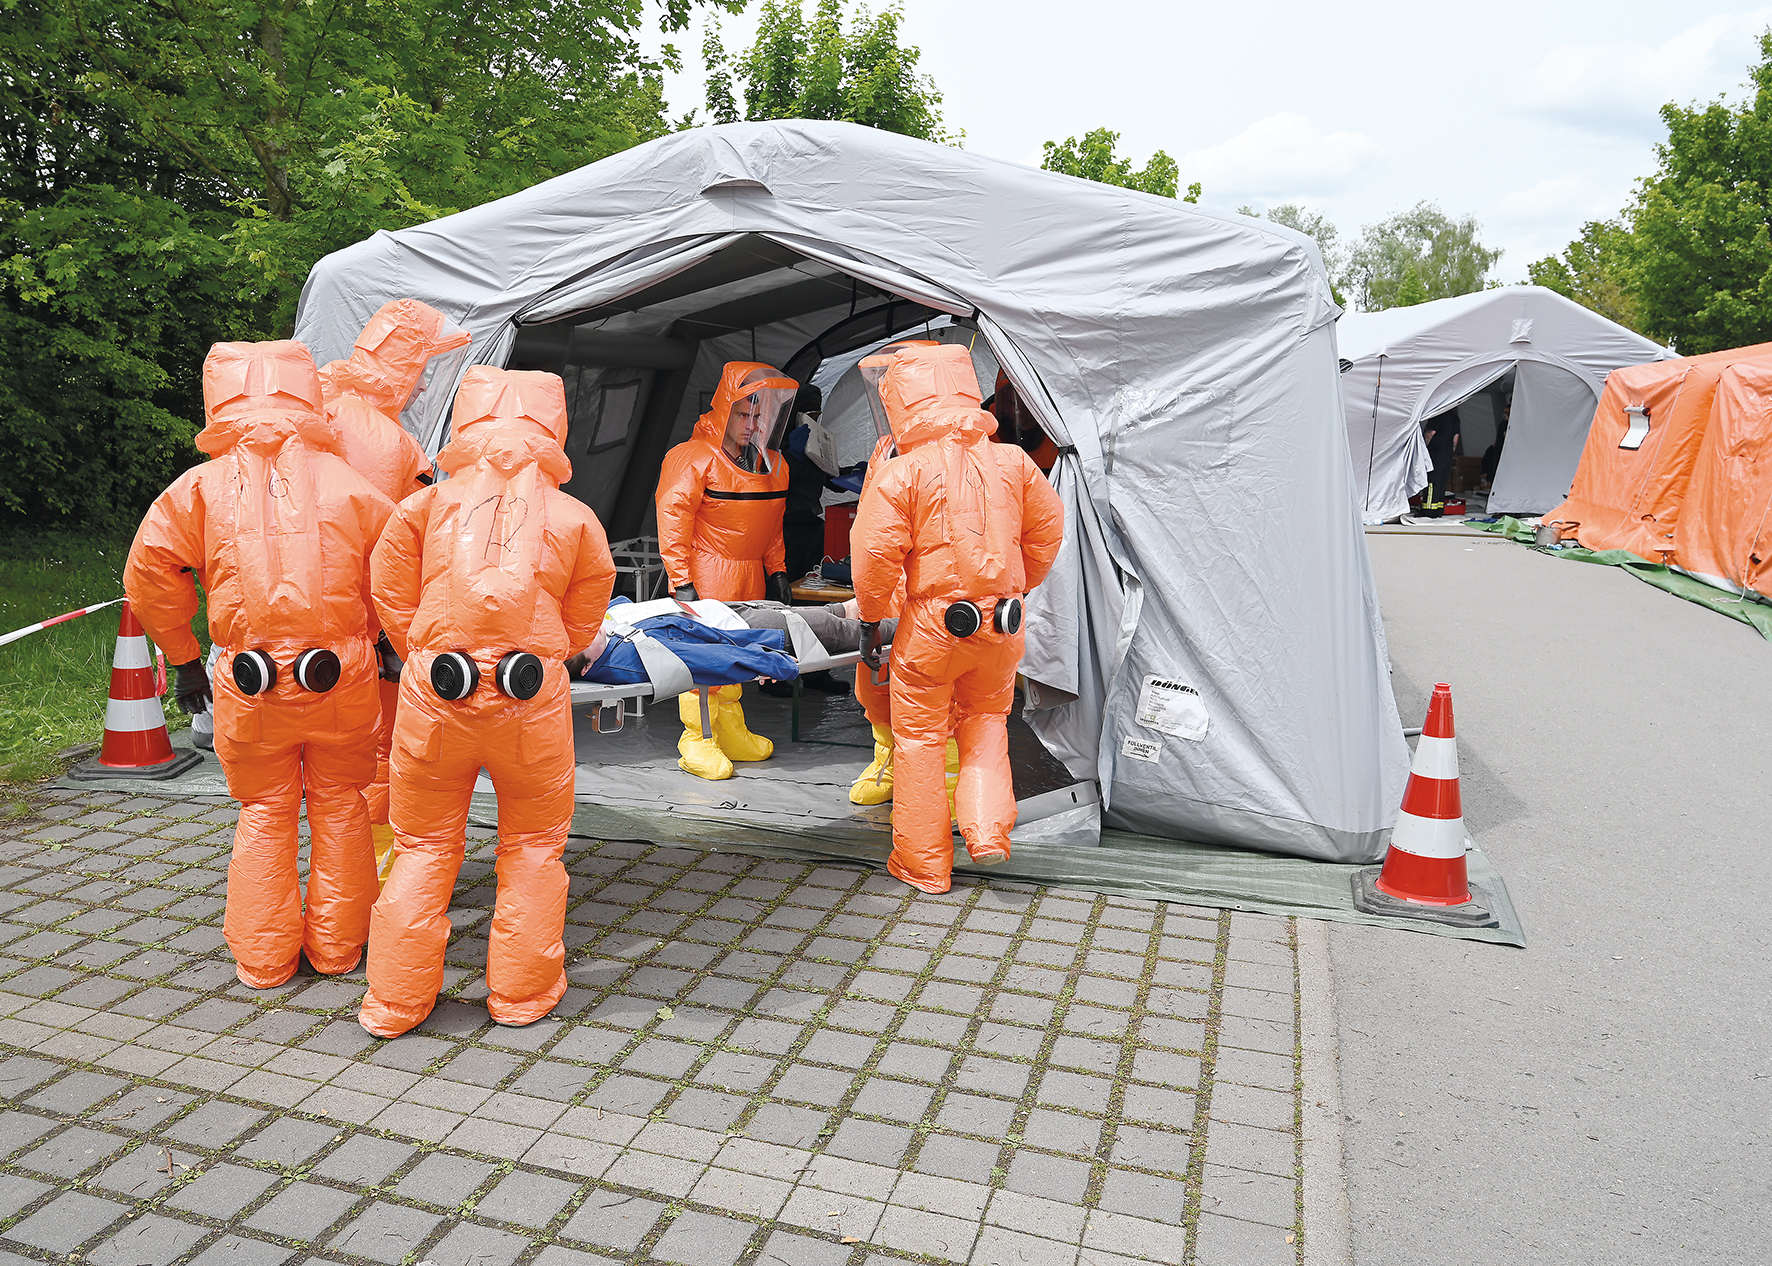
{"type": "Point", "coordinates": [1141, 749]}
{"type": "Point", "coordinates": [1172, 707]}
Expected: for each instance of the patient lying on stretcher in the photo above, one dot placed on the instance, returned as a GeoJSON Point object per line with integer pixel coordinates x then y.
{"type": "Point", "coordinates": [721, 643]}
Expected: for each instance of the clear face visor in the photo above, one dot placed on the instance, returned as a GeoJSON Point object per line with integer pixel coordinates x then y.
{"type": "Point", "coordinates": [873, 369]}
{"type": "Point", "coordinates": [760, 419]}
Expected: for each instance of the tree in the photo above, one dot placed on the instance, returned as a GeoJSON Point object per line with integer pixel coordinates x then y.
{"type": "Point", "coordinates": [1598, 271]}
{"type": "Point", "coordinates": [1318, 228]}
{"type": "Point", "coordinates": [1093, 158]}
{"type": "Point", "coordinates": [1701, 253]}
{"type": "Point", "coordinates": [1418, 255]}
{"type": "Point", "coordinates": [800, 69]}
{"type": "Point", "coordinates": [172, 171]}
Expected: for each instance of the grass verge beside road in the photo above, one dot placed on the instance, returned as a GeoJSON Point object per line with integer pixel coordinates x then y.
{"type": "Point", "coordinates": [53, 684]}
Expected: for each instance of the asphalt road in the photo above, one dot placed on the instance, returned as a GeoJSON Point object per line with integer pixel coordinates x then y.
{"type": "Point", "coordinates": [1604, 1095]}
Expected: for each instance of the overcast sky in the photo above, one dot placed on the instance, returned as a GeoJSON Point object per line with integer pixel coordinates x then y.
{"type": "Point", "coordinates": [1532, 115]}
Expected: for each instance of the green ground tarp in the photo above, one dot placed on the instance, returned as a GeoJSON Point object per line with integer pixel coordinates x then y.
{"type": "Point", "coordinates": [1747, 610]}
{"type": "Point", "coordinates": [1123, 865]}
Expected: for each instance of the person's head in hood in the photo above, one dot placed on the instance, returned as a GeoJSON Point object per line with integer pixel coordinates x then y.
{"type": "Point", "coordinates": [928, 392]}
{"type": "Point", "coordinates": [509, 417]}
{"type": "Point", "coordinates": [389, 357]}
{"type": "Point", "coordinates": [263, 391]}
{"type": "Point", "coordinates": [749, 411]}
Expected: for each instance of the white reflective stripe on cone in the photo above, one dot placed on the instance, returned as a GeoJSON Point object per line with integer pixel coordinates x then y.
{"type": "Point", "coordinates": [1429, 837]}
{"type": "Point", "coordinates": [125, 715]}
{"type": "Point", "coordinates": [1435, 758]}
{"type": "Point", "coordinates": [132, 652]}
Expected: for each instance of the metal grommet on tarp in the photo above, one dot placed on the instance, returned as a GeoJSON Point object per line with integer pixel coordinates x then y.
{"type": "Point", "coordinates": [254, 672]}
{"type": "Point", "coordinates": [519, 675]}
{"type": "Point", "coordinates": [1007, 617]}
{"type": "Point", "coordinates": [454, 676]}
{"type": "Point", "coordinates": [963, 619]}
{"type": "Point", "coordinates": [317, 670]}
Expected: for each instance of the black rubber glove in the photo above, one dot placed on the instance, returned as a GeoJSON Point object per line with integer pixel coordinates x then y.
{"type": "Point", "coordinates": [685, 593]}
{"type": "Point", "coordinates": [390, 663]}
{"type": "Point", "coordinates": [191, 689]}
{"type": "Point", "coordinates": [779, 588]}
{"type": "Point", "coordinates": [870, 644]}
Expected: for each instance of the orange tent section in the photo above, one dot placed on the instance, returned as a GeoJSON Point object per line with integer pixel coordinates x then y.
{"type": "Point", "coordinates": [1725, 536]}
{"type": "Point", "coordinates": [1632, 485]}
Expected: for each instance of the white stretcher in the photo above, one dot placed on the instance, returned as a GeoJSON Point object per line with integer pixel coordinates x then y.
{"type": "Point", "coordinates": [670, 677]}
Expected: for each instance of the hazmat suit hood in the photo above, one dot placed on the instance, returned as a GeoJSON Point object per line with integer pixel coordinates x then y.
{"type": "Point", "coordinates": [509, 419]}
{"type": "Point", "coordinates": [389, 357]}
{"type": "Point", "coordinates": [930, 393]}
{"type": "Point", "coordinates": [776, 395]}
{"type": "Point", "coordinates": [257, 395]}
{"type": "Point", "coordinates": [506, 458]}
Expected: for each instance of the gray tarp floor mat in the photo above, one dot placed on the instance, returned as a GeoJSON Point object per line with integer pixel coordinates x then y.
{"type": "Point", "coordinates": [796, 807]}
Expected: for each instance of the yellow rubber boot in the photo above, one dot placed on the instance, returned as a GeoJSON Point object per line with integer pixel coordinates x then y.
{"type": "Point", "coordinates": [875, 784]}
{"type": "Point", "coordinates": [953, 774]}
{"type": "Point", "coordinates": [383, 835]}
{"type": "Point", "coordinates": [729, 728]}
{"type": "Point", "coordinates": [698, 753]}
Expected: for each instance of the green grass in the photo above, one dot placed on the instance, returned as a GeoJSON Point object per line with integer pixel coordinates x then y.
{"type": "Point", "coordinates": [53, 684]}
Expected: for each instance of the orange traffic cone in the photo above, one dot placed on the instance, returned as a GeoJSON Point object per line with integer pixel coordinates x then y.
{"type": "Point", "coordinates": [1424, 876]}
{"type": "Point", "coordinates": [136, 743]}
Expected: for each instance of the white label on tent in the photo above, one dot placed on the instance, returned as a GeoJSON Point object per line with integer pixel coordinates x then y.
{"type": "Point", "coordinates": [1172, 707]}
{"type": "Point", "coordinates": [1141, 749]}
{"type": "Point", "coordinates": [820, 446]}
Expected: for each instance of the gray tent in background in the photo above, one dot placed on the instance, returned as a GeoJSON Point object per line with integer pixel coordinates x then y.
{"type": "Point", "coordinates": [1547, 355]}
{"type": "Point", "coordinates": [1208, 646]}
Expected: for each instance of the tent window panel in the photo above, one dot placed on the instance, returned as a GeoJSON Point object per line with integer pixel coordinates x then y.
{"type": "Point", "coordinates": [601, 404]}
{"type": "Point", "coordinates": [615, 414]}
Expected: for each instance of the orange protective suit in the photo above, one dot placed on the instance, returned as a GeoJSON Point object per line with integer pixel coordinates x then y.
{"type": "Point", "coordinates": [279, 530]}
{"type": "Point", "coordinates": [364, 396]}
{"type": "Point", "coordinates": [719, 525]}
{"type": "Point", "coordinates": [874, 784]}
{"type": "Point", "coordinates": [959, 519]}
{"type": "Point", "coordinates": [719, 529]}
{"type": "Point", "coordinates": [492, 561]}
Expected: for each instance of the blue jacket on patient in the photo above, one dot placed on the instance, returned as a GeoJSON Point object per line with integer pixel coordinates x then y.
{"type": "Point", "coordinates": [714, 657]}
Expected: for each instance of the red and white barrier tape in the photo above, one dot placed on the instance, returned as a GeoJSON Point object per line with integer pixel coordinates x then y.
{"type": "Point", "coordinates": [16, 634]}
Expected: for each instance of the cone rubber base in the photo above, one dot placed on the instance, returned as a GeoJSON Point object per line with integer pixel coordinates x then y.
{"type": "Point", "coordinates": [92, 771]}
{"type": "Point", "coordinates": [1369, 900]}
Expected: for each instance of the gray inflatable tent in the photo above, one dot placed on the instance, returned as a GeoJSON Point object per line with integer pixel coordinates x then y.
{"type": "Point", "coordinates": [1208, 647]}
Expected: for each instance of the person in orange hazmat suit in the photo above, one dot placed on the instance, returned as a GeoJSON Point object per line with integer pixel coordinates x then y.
{"type": "Point", "coordinates": [721, 496]}
{"type": "Point", "coordinates": [970, 526]}
{"type": "Point", "coordinates": [874, 784]}
{"type": "Point", "coordinates": [486, 583]}
{"type": "Point", "coordinates": [278, 528]}
{"type": "Point", "coordinates": [365, 394]}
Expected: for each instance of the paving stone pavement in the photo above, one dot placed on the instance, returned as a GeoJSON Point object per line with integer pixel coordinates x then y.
{"type": "Point", "coordinates": [757, 1062]}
